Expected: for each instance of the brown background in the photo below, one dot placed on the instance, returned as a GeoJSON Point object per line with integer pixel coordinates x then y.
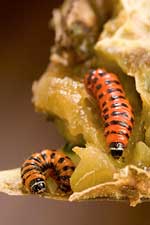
{"type": "Point", "coordinates": [24, 53]}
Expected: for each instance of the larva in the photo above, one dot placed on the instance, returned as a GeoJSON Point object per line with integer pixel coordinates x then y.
{"type": "Point", "coordinates": [36, 169]}
{"type": "Point", "coordinates": [116, 110]}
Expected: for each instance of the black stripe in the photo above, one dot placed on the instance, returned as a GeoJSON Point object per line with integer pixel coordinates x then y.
{"type": "Point", "coordinates": [66, 168]}
{"type": "Point", "coordinates": [61, 160]}
{"type": "Point", "coordinates": [111, 81]}
{"type": "Point", "coordinates": [44, 156]}
{"type": "Point", "coordinates": [117, 113]}
{"type": "Point", "coordinates": [104, 103]}
{"type": "Point", "coordinates": [110, 90]}
{"type": "Point", "coordinates": [117, 122]}
{"type": "Point", "coordinates": [95, 80]}
{"type": "Point", "coordinates": [52, 155]}
{"type": "Point", "coordinates": [67, 157]}
{"type": "Point", "coordinates": [105, 110]}
{"type": "Point", "coordinates": [46, 166]}
{"type": "Point", "coordinates": [115, 132]}
{"type": "Point", "coordinates": [89, 77]}
{"type": "Point", "coordinates": [113, 97]}
{"type": "Point", "coordinates": [98, 87]}
{"type": "Point", "coordinates": [120, 132]}
{"type": "Point", "coordinates": [29, 164]}
{"type": "Point", "coordinates": [23, 180]}
{"type": "Point", "coordinates": [117, 104]}
{"type": "Point", "coordinates": [100, 96]}
{"type": "Point", "coordinates": [30, 169]}
{"type": "Point", "coordinates": [106, 117]}
{"type": "Point", "coordinates": [72, 168]}
{"type": "Point", "coordinates": [121, 123]}
{"type": "Point", "coordinates": [106, 124]}
{"type": "Point", "coordinates": [36, 159]}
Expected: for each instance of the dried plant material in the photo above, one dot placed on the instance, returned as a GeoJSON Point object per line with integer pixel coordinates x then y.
{"type": "Point", "coordinates": [77, 116]}
{"type": "Point", "coordinates": [73, 114]}
{"type": "Point", "coordinates": [95, 167]}
{"type": "Point", "coordinates": [11, 184]}
{"type": "Point", "coordinates": [77, 25]}
{"type": "Point", "coordinates": [60, 95]}
{"type": "Point", "coordinates": [125, 40]}
{"type": "Point", "coordinates": [130, 183]}
{"type": "Point", "coordinates": [71, 25]}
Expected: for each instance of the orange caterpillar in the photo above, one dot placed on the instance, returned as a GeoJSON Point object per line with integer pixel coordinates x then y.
{"type": "Point", "coordinates": [36, 169]}
{"type": "Point", "coordinates": [116, 110]}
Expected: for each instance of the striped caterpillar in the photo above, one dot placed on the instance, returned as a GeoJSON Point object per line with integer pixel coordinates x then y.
{"type": "Point", "coordinates": [39, 166]}
{"type": "Point", "coordinates": [116, 110]}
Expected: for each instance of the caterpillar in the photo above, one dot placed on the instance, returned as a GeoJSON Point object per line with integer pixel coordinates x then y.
{"type": "Point", "coordinates": [36, 169]}
{"type": "Point", "coordinates": [116, 110]}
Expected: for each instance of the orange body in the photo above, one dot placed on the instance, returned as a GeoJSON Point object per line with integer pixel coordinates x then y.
{"type": "Point", "coordinates": [39, 166]}
{"type": "Point", "coordinates": [116, 110]}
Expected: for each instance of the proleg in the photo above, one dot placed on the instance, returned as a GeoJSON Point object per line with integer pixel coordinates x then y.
{"type": "Point", "coordinates": [116, 110]}
{"type": "Point", "coordinates": [39, 166]}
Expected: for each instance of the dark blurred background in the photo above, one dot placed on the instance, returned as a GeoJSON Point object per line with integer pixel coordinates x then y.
{"type": "Point", "coordinates": [24, 54]}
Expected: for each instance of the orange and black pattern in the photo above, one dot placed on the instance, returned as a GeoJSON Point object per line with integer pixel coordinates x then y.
{"type": "Point", "coordinates": [116, 110]}
{"type": "Point", "coordinates": [37, 168]}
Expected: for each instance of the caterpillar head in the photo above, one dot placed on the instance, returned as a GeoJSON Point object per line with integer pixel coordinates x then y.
{"type": "Point", "coordinates": [37, 186]}
{"type": "Point", "coordinates": [116, 149]}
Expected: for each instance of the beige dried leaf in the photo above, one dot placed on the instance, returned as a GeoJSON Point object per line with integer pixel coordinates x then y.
{"type": "Point", "coordinates": [130, 183]}
{"type": "Point", "coordinates": [11, 184]}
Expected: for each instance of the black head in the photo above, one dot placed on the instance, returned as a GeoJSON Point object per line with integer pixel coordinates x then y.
{"type": "Point", "coordinates": [116, 149]}
{"type": "Point", "coordinates": [38, 186]}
